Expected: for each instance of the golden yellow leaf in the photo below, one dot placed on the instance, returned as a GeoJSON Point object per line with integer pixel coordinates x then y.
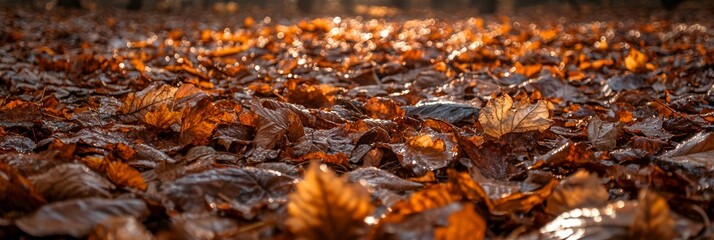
{"type": "Point", "coordinates": [635, 61]}
{"type": "Point", "coordinates": [463, 225]}
{"type": "Point", "coordinates": [162, 117]}
{"type": "Point", "coordinates": [500, 116]}
{"type": "Point", "coordinates": [325, 206]}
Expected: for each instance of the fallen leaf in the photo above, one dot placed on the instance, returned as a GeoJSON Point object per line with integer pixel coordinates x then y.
{"type": "Point", "coordinates": [327, 207]}
{"type": "Point", "coordinates": [77, 217]}
{"type": "Point", "coordinates": [603, 136]}
{"type": "Point", "coordinates": [274, 124]}
{"type": "Point", "coordinates": [582, 189]}
{"type": "Point", "coordinates": [70, 181]}
{"type": "Point", "coordinates": [501, 117]}
{"type": "Point", "coordinates": [382, 108]}
{"type": "Point", "coordinates": [123, 175]}
{"type": "Point", "coordinates": [16, 192]}
{"type": "Point", "coordinates": [464, 224]}
{"type": "Point", "coordinates": [244, 191]}
{"type": "Point", "coordinates": [376, 178]}
{"type": "Point", "coordinates": [136, 105]}
{"type": "Point", "coordinates": [696, 154]}
{"type": "Point", "coordinates": [162, 117]}
{"type": "Point", "coordinates": [636, 61]}
{"type": "Point", "coordinates": [198, 122]}
{"type": "Point", "coordinates": [451, 112]}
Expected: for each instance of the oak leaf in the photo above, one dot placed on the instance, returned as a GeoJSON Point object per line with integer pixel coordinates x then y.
{"type": "Point", "coordinates": [327, 207]}
{"type": "Point", "coordinates": [501, 117]}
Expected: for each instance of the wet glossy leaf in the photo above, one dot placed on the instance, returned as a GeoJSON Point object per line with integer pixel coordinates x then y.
{"type": "Point", "coordinates": [501, 116]}
{"type": "Point", "coordinates": [243, 190]}
{"type": "Point", "coordinates": [198, 122]}
{"type": "Point", "coordinates": [70, 181]}
{"type": "Point", "coordinates": [694, 154]}
{"type": "Point", "coordinates": [602, 135]}
{"type": "Point", "coordinates": [16, 192]}
{"type": "Point", "coordinates": [582, 189]}
{"type": "Point", "coordinates": [376, 178]}
{"type": "Point", "coordinates": [428, 150]}
{"type": "Point", "coordinates": [120, 228]}
{"type": "Point", "coordinates": [77, 217]}
{"type": "Point", "coordinates": [162, 117]}
{"type": "Point", "coordinates": [327, 207]}
{"type": "Point", "coordinates": [273, 125]}
{"type": "Point", "coordinates": [451, 112]}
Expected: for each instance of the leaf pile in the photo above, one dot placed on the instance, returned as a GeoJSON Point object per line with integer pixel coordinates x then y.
{"type": "Point", "coordinates": [117, 125]}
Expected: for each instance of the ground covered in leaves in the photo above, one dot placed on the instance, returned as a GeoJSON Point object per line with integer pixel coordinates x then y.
{"type": "Point", "coordinates": [118, 125]}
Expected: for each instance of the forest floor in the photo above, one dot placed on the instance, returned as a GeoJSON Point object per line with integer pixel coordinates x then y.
{"type": "Point", "coordinates": [203, 125]}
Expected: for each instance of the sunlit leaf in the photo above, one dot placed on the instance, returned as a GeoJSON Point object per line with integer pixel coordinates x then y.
{"type": "Point", "coordinates": [198, 122]}
{"type": "Point", "coordinates": [582, 189]}
{"type": "Point", "coordinates": [636, 61]}
{"type": "Point", "coordinates": [162, 117]}
{"type": "Point", "coordinates": [694, 154]}
{"type": "Point", "coordinates": [500, 116]}
{"type": "Point", "coordinates": [327, 207]}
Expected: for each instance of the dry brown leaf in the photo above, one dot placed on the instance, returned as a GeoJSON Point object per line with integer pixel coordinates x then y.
{"type": "Point", "coordinates": [463, 225]}
{"type": "Point", "coordinates": [653, 219]}
{"type": "Point", "coordinates": [124, 175]}
{"type": "Point", "coordinates": [428, 198]}
{"type": "Point", "coordinates": [524, 201]}
{"type": "Point", "coordinates": [136, 105]}
{"type": "Point", "coordinates": [500, 116]}
{"type": "Point", "coordinates": [579, 190]}
{"type": "Point", "coordinates": [117, 172]}
{"type": "Point", "coordinates": [198, 122]}
{"type": "Point", "coordinates": [162, 117]}
{"type": "Point", "coordinates": [383, 108]}
{"type": "Point", "coordinates": [325, 206]}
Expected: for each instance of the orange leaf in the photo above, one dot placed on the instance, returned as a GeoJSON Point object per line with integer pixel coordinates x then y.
{"type": "Point", "coordinates": [162, 117]}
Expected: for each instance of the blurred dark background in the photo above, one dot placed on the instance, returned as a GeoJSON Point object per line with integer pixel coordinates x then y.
{"type": "Point", "coordinates": [355, 6]}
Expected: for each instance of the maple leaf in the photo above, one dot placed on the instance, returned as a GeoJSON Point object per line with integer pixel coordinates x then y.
{"type": "Point", "coordinates": [327, 207]}
{"type": "Point", "coordinates": [500, 116]}
{"type": "Point", "coordinates": [162, 117]}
